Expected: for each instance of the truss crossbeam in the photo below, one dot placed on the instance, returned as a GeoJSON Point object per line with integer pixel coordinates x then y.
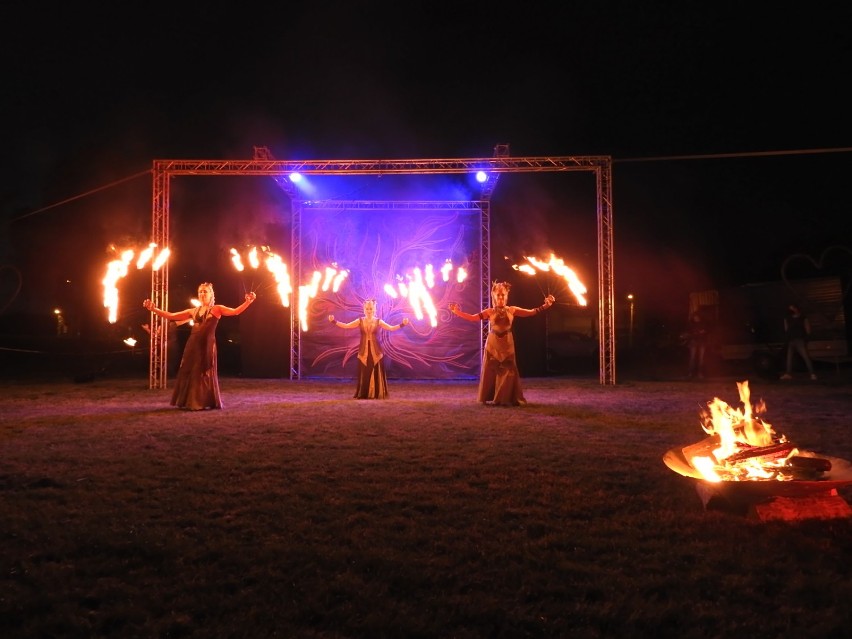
{"type": "Point", "coordinates": [394, 205]}
{"type": "Point", "coordinates": [379, 167]}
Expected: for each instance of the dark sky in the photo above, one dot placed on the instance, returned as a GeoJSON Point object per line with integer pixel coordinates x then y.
{"type": "Point", "coordinates": [91, 97]}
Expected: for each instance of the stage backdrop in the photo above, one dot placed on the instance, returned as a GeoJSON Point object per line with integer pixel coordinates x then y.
{"type": "Point", "coordinates": [413, 260]}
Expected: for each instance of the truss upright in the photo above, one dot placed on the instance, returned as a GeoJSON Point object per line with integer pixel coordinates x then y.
{"type": "Point", "coordinates": [484, 267]}
{"type": "Point", "coordinates": [159, 282]}
{"type": "Point", "coordinates": [296, 267]}
{"type": "Point", "coordinates": [606, 275]}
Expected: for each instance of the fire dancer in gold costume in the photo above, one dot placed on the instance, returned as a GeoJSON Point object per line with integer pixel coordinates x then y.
{"type": "Point", "coordinates": [372, 379]}
{"type": "Point", "coordinates": [500, 381]}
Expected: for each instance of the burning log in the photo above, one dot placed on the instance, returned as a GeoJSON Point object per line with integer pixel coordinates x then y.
{"type": "Point", "coordinates": [807, 467]}
{"type": "Point", "coordinates": [760, 453]}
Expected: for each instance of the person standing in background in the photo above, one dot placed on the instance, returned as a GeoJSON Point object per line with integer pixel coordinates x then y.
{"type": "Point", "coordinates": [797, 330]}
{"type": "Point", "coordinates": [696, 341]}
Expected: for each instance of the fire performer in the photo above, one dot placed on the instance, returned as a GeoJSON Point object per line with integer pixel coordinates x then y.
{"type": "Point", "coordinates": [197, 382]}
{"type": "Point", "coordinates": [500, 381]}
{"type": "Point", "coordinates": [372, 380]}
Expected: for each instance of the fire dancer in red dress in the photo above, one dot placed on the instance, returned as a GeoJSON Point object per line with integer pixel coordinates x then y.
{"type": "Point", "coordinates": [500, 381]}
{"type": "Point", "coordinates": [197, 383]}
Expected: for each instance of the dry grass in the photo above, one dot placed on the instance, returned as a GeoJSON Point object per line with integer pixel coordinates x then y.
{"type": "Point", "coordinates": [299, 512]}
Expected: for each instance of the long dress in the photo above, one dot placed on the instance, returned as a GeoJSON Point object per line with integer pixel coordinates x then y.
{"type": "Point", "coordinates": [372, 380]}
{"type": "Point", "coordinates": [500, 380]}
{"type": "Point", "coordinates": [197, 382]}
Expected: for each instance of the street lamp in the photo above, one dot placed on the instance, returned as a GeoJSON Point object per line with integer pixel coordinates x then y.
{"type": "Point", "coordinates": [61, 328]}
{"type": "Point", "coordinates": [630, 301]}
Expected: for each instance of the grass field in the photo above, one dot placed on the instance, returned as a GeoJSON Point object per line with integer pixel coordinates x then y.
{"type": "Point", "coordinates": [299, 512]}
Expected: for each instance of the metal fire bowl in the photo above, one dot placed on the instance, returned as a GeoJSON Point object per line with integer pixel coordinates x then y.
{"type": "Point", "coordinates": [839, 476]}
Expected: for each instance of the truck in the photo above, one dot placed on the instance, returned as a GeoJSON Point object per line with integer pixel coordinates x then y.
{"type": "Point", "coordinates": [747, 322]}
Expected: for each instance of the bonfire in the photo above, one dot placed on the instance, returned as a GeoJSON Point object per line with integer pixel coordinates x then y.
{"type": "Point", "coordinates": [743, 446]}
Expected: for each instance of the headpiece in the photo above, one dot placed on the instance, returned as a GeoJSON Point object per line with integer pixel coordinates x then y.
{"type": "Point", "coordinates": [504, 285]}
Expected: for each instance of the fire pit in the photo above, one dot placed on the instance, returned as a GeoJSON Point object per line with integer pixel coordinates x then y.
{"type": "Point", "coordinates": [744, 467]}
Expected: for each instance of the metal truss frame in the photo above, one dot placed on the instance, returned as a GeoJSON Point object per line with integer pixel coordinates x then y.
{"type": "Point", "coordinates": [262, 164]}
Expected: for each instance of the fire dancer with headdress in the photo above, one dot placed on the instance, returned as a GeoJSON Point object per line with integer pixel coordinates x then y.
{"type": "Point", "coordinates": [500, 381]}
{"type": "Point", "coordinates": [372, 380]}
{"type": "Point", "coordinates": [197, 382]}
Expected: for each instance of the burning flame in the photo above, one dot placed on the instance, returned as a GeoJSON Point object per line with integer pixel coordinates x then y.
{"type": "Point", "coordinates": [417, 283]}
{"type": "Point", "coordinates": [557, 266]}
{"type": "Point", "coordinates": [237, 260]}
{"type": "Point", "coordinates": [748, 447]}
{"type": "Point", "coordinates": [254, 260]}
{"type": "Point", "coordinates": [278, 268]}
{"type": "Point", "coordinates": [274, 264]}
{"type": "Point", "coordinates": [145, 255]}
{"type": "Point", "coordinates": [331, 278]}
{"type": "Point", "coordinates": [414, 286]}
{"type": "Point", "coordinates": [162, 258]}
{"type": "Point", "coordinates": [118, 268]}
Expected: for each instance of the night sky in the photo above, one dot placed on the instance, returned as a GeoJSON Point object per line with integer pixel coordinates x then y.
{"type": "Point", "coordinates": [707, 112]}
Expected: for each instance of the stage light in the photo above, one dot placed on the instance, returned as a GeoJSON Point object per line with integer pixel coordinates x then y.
{"type": "Point", "coordinates": [302, 185]}
{"type": "Point", "coordinates": [481, 177]}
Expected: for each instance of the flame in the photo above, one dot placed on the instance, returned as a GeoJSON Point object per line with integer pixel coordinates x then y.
{"type": "Point", "coordinates": [237, 260]}
{"type": "Point", "coordinates": [118, 268]}
{"type": "Point", "coordinates": [416, 284]}
{"type": "Point", "coordinates": [338, 280]}
{"type": "Point", "coordinates": [145, 255]}
{"type": "Point", "coordinates": [524, 268]}
{"type": "Point", "coordinates": [419, 297]}
{"type": "Point", "coordinates": [430, 276]}
{"type": "Point", "coordinates": [557, 266]}
{"type": "Point", "coordinates": [446, 269]}
{"type": "Point", "coordinates": [254, 260]}
{"type": "Point", "coordinates": [162, 258]}
{"type": "Point", "coordinates": [276, 266]}
{"type": "Point", "coordinates": [748, 447]}
{"type": "Point", "coordinates": [306, 294]}
{"type": "Point", "coordinates": [330, 278]}
{"type": "Point", "coordinates": [196, 303]}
